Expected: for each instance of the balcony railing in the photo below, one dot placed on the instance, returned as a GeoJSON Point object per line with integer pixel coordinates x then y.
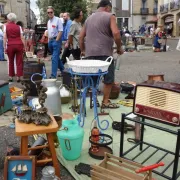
{"type": "Point", "coordinates": [164, 8]}
{"type": "Point", "coordinates": [144, 11]}
{"type": "Point", "coordinates": [174, 4]}
{"type": "Point", "coordinates": [155, 11]}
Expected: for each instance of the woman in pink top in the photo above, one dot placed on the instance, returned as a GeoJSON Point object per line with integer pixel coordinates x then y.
{"type": "Point", "coordinates": [13, 36]}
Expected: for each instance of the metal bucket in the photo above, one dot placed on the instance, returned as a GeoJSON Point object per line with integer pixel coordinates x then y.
{"type": "Point", "coordinates": [29, 68]}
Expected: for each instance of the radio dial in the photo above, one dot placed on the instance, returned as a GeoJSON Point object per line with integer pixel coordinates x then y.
{"type": "Point", "coordinates": [136, 109]}
{"type": "Point", "coordinates": [175, 119]}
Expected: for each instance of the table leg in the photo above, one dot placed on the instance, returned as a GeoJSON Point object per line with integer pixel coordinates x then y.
{"type": "Point", "coordinates": [96, 117]}
{"type": "Point", "coordinates": [82, 113]}
{"type": "Point", "coordinates": [176, 158]}
{"type": "Point", "coordinates": [91, 104]}
{"type": "Point", "coordinates": [53, 153]}
{"type": "Point", "coordinates": [142, 135]}
{"type": "Point", "coordinates": [122, 135]}
{"type": "Point", "coordinates": [24, 146]}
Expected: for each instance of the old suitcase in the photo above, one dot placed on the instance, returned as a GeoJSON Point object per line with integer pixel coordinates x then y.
{"type": "Point", "coordinates": [5, 97]}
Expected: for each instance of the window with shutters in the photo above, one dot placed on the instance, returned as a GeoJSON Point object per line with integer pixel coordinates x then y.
{"type": "Point", "coordinates": [1, 8]}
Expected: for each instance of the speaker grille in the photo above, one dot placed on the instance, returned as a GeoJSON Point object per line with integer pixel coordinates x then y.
{"type": "Point", "coordinates": [157, 98]}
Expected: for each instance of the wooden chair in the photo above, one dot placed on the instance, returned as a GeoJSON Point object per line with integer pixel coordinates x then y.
{"type": "Point", "coordinates": [24, 130]}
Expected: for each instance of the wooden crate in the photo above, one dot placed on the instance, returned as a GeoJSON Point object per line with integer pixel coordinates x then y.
{"type": "Point", "coordinates": [115, 168]}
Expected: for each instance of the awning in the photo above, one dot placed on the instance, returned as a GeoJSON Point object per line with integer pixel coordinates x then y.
{"type": "Point", "coordinates": [154, 20]}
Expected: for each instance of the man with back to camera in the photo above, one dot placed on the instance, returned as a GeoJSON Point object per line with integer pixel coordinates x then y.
{"type": "Point", "coordinates": [55, 29]}
{"type": "Point", "coordinates": [100, 31]}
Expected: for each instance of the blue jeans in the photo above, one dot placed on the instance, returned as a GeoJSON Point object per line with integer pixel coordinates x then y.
{"type": "Point", "coordinates": [1, 50]}
{"type": "Point", "coordinates": [54, 47]}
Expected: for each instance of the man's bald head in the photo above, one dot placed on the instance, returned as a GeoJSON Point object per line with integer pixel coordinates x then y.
{"type": "Point", "coordinates": [66, 16]}
{"type": "Point", "coordinates": [61, 15]}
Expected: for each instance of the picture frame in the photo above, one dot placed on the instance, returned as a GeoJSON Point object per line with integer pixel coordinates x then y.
{"type": "Point", "coordinates": [19, 168]}
{"type": "Point", "coordinates": [29, 54]}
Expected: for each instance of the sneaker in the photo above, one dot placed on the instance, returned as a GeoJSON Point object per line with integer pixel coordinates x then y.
{"type": "Point", "coordinates": [51, 77]}
{"type": "Point", "coordinates": [18, 80]}
{"type": "Point", "coordinates": [10, 79]}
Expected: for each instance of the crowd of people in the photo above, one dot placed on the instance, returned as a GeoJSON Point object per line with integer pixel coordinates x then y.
{"type": "Point", "coordinates": [93, 40]}
{"type": "Point", "coordinates": [65, 36]}
{"type": "Point", "coordinates": [157, 34]}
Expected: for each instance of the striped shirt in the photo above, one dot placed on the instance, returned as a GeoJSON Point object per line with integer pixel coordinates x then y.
{"type": "Point", "coordinates": [54, 27]}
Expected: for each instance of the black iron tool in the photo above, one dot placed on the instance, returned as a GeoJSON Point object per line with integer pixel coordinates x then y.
{"type": "Point", "coordinates": [83, 168]}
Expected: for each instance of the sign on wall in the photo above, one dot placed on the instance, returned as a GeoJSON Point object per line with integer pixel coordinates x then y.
{"type": "Point", "coordinates": [125, 5]}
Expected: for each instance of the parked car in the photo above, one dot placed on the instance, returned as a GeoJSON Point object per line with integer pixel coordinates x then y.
{"type": "Point", "coordinates": [38, 46]}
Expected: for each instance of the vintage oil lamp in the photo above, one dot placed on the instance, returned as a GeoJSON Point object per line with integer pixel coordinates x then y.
{"type": "Point", "coordinates": [95, 139]}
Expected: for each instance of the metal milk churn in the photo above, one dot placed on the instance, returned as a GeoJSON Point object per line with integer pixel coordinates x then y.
{"type": "Point", "coordinates": [53, 100]}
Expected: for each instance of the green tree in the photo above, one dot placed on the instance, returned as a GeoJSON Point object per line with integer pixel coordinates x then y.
{"type": "Point", "coordinates": [42, 5]}
{"type": "Point", "coordinates": [61, 6]}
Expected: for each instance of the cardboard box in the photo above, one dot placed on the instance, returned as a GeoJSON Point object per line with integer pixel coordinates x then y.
{"type": "Point", "coordinates": [15, 91]}
{"type": "Point", "coordinates": [5, 97]}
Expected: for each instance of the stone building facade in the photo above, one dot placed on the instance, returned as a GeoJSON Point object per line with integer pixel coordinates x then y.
{"type": "Point", "coordinates": [20, 7]}
{"type": "Point", "coordinates": [121, 9]}
{"type": "Point", "coordinates": [33, 19]}
{"type": "Point", "coordinates": [144, 12]}
{"type": "Point", "coordinates": [168, 16]}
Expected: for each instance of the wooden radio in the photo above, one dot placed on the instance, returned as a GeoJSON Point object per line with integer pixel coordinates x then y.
{"type": "Point", "coordinates": [158, 100]}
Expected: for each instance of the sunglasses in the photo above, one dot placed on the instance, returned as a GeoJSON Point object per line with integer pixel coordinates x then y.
{"type": "Point", "coordinates": [50, 12]}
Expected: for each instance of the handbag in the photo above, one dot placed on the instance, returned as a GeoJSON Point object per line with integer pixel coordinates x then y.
{"type": "Point", "coordinates": [44, 39]}
{"type": "Point", "coordinates": [160, 41]}
{"type": "Point", "coordinates": [76, 53]}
